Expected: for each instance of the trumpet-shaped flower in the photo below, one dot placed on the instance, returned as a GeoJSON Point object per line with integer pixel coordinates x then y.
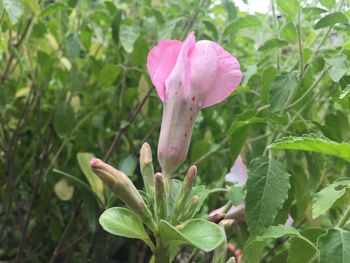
{"type": "Point", "coordinates": [188, 76]}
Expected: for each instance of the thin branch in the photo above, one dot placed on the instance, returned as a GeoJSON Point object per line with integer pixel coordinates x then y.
{"type": "Point", "coordinates": [65, 232]}
{"type": "Point", "coordinates": [132, 116]}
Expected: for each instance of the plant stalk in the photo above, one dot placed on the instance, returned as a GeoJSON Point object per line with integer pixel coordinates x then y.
{"type": "Point", "coordinates": [344, 219]}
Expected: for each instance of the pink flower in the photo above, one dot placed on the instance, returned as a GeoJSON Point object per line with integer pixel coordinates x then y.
{"type": "Point", "coordinates": [188, 76]}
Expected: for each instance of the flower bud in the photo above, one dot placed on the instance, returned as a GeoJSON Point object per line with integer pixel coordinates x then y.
{"type": "Point", "coordinates": [184, 193]}
{"type": "Point", "coordinates": [122, 186]}
{"type": "Point", "coordinates": [160, 197]}
{"type": "Point", "coordinates": [146, 167]}
{"type": "Point", "coordinates": [191, 208]}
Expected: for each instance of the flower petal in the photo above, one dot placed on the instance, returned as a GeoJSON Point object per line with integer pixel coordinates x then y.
{"type": "Point", "coordinates": [214, 73]}
{"type": "Point", "coordinates": [161, 61]}
{"type": "Point", "coordinates": [180, 78]}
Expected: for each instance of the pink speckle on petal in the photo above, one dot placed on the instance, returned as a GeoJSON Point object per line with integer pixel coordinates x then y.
{"type": "Point", "coordinates": [193, 98]}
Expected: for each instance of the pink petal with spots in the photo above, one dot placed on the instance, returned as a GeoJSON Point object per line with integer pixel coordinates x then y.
{"type": "Point", "coordinates": [180, 77]}
{"type": "Point", "coordinates": [214, 73]}
{"type": "Point", "coordinates": [161, 61]}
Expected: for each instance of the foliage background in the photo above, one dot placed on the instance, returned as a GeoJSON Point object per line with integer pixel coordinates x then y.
{"type": "Point", "coordinates": [73, 79]}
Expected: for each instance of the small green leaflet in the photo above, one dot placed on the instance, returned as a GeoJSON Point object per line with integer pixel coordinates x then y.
{"type": "Point", "coordinates": [128, 36]}
{"type": "Point", "coordinates": [339, 67]}
{"type": "Point", "coordinates": [328, 3]}
{"type": "Point", "coordinates": [123, 222]}
{"type": "Point", "coordinates": [272, 43]}
{"type": "Point", "coordinates": [289, 7]}
{"type": "Point", "coordinates": [314, 143]}
{"type": "Point", "coordinates": [242, 22]}
{"type": "Point", "coordinates": [324, 199]}
{"type": "Point", "coordinates": [191, 233]}
{"type": "Point", "coordinates": [331, 20]}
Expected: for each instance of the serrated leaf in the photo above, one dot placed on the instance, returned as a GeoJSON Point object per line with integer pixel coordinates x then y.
{"type": "Point", "coordinates": [324, 199]}
{"type": "Point", "coordinates": [191, 233]}
{"type": "Point", "coordinates": [272, 43]}
{"type": "Point", "coordinates": [121, 221]}
{"type": "Point", "coordinates": [331, 20]}
{"type": "Point", "coordinates": [14, 9]}
{"type": "Point", "coordinates": [242, 22]}
{"type": "Point", "coordinates": [314, 143]}
{"type": "Point", "coordinates": [335, 246]}
{"type": "Point", "coordinates": [339, 67]}
{"type": "Point", "coordinates": [267, 189]}
{"type": "Point", "coordinates": [280, 89]}
{"type": "Point", "coordinates": [95, 182]}
{"type": "Point", "coordinates": [128, 36]}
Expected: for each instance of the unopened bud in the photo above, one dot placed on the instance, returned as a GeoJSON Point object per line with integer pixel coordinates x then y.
{"type": "Point", "coordinates": [160, 197]}
{"type": "Point", "coordinates": [191, 208]}
{"type": "Point", "coordinates": [146, 167]}
{"type": "Point", "coordinates": [231, 260]}
{"type": "Point", "coordinates": [122, 186]}
{"type": "Point", "coordinates": [184, 193]}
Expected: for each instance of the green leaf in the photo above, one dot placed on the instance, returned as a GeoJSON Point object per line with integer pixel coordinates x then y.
{"type": "Point", "coordinates": [301, 251]}
{"type": "Point", "coordinates": [339, 67]}
{"type": "Point", "coordinates": [212, 28]}
{"type": "Point", "coordinates": [72, 47]}
{"type": "Point", "coordinates": [267, 189]}
{"type": "Point", "coordinates": [78, 182]}
{"type": "Point", "coordinates": [33, 5]}
{"type": "Point", "coordinates": [313, 11]}
{"type": "Point", "coordinates": [289, 32]}
{"type": "Point", "coordinates": [324, 199]}
{"type": "Point", "coordinates": [328, 3]}
{"type": "Point", "coordinates": [128, 164]}
{"type": "Point", "coordinates": [53, 8]}
{"type": "Point", "coordinates": [280, 89]}
{"type": "Point", "coordinates": [272, 43]}
{"type": "Point", "coordinates": [108, 75]}
{"type": "Point", "coordinates": [345, 93]}
{"type": "Point", "coordinates": [331, 20]}
{"type": "Point", "coordinates": [253, 250]}
{"type": "Point", "coordinates": [128, 36]}
{"type": "Point", "coordinates": [64, 119]}
{"type": "Point", "coordinates": [335, 246]}
{"type": "Point", "coordinates": [94, 181]}
{"type": "Point", "coordinates": [191, 233]}
{"type": "Point", "coordinates": [14, 9]}
{"type": "Point", "coordinates": [121, 221]}
{"type": "Point", "coordinates": [237, 194]}
{"type": "Point", "coordinates": [289, 7]}
{"type": "Point", "coordinates": [314, 143]}
{"type": "Point", "coordinates": [242, 22]}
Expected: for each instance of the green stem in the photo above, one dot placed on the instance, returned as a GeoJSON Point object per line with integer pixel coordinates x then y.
{"type": "Point", "coordinates": [344, 219]}
{"type": "Point", "coordinates": [301, 58]}
{"type": "Point", "coordinates": [275, 29]}
{"type": "Point", "coordinates": [162, 253]}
